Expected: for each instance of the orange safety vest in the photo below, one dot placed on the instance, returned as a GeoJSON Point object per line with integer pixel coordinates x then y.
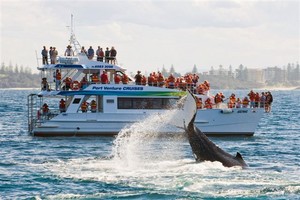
{"type": "Point", "coordinates": [125, 79]}
{"type": "Point", "coordinates": [93, 105]}
{"type": "Point", "coordinates": [84, 106]}
{"type": "Point", "coordinates": [95, 78]}
{"type": "Point", "coordinates": [58, 76]}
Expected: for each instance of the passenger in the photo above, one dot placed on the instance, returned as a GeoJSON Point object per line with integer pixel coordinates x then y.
{"type": "Point", "coordinates": [195, 80]}
{"type": "Point", "coordinates": [91, 53]}
{"type": "Point", "coordinates": [171, 81]}
{"type": "Point", "coordinates": [93, 106]}
{"type": "Point", "coordinates": [238, 103]}
{"type": "Point", "coordinates": [252, 99]}
{"type": "Point", "coordinates": [45, 110]}
{"type": "Point", "coordinates": [155, 76]}
{"type": "Point", "coordinates": [84, 107]}
{"type": "Point", "coordinates": [100, 54]}
{"type": "Point", "coordinates": [113, 54]}
{"type": "Point", "coordinates": [256, 100]}
{"type": "Point", "coordinates": [69, 51]}
{"type": "Point", "coordinates": [219, 99]}
{"type": "Point", "coordinates": [45, 56]}
{"type": "Point", "coordinates": [144, 80]}
{"type": "Point", "coordinates": [57, 79]}
{"type": "Point", "coordinates": [199, 103]}
{"type": "Point", "coordinates": [151, 80]}
{"type": "Point", "coordinates": [269, 100]}
{"type": "Point", "coordinates": [62, 105]}
{"type": "Point", "coordinates": [51, 54]}
{"type": "Point", "coordinates": [160, 80]}
{"type": "Point", "coordinates": [208, 103]}
{"type": "Point", "coordinates": [245, 102]}
{"type": "Point", "coordinates": [83, 82]}
{"type": "Point", "coordinates": [189, 81]}
{"type": "Point", "coordinates": [68, 82]}
{"type": "Point", "coordinates": [104, 78]}
{"type": "Point", "coordinates": [95, 78]}
{"type": "Point", "coordinates": [83, 50]}
{"type": "Point", "coordinates": [207, 84]}
{"type": "Point", "coordinates": [97, 53]}
{"type": "Point", "coordinates": [138, 78]}
{"type": "Point", "coordinates": [125, 79]}
{"type": "Point", "coordinates": [54, 55]}
{"type": "Point", "coordinates": [107, 54]}
{"type": "Point", "coordinates": [262, 100]}
{"type": "Point", "coordinates": [117, 78]}
{"type": "Point", "coordinates": [231, 103]}
{"type": "Point", "coordinates": [45, 85]}
{"type": "Point", "coordinates": [200, 89]}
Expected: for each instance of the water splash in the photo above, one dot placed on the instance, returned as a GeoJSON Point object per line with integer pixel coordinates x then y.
{"type": "Point", "coordinates": [144, 142]}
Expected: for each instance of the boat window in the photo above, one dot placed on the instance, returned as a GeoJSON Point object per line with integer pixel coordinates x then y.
{"type": "Point", "coordinates": [76, 100]}
{"type": "Point", "coordinates": [146, 103]}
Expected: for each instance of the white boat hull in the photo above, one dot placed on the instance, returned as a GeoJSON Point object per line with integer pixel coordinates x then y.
{"type": "Point", "coordinates": [242, 121]}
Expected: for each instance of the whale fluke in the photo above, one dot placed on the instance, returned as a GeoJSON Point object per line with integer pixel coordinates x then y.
{"type": "Point", "coordinates": [203, 148]}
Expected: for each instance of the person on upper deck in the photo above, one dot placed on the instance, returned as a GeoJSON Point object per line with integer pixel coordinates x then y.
{"type": "Point", "coordinates": [54, 55]}
{"type": "Point", "coordinates": [90, 53]}
{"type": "Point", "coordinates": [45, 55]}
{"type": "Point", "coordinates": [104, 78]}
{"type": "Point", "coordinates": [83, 50]}
{"type": "Point", "coordinates": [107, 54]}
{"type": "Point", "coordinates": [138, 78]}
{"type": "Point", "coordinates": [100, 54]}
{"type": "Point", "coordinates": [113, 54]}
{"type": "Point", "coordinates": [69, 51]}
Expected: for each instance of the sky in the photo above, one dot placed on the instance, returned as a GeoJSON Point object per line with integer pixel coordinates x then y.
{"type": "Point", "coordinates": [150, 34]}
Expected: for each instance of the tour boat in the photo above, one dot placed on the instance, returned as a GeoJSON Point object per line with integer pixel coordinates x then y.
{"type": "Point", "coordinates": [116, 105]}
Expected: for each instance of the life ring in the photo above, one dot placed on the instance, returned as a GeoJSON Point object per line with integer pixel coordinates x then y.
{"type": "Point", "coordinates": [75, 85]}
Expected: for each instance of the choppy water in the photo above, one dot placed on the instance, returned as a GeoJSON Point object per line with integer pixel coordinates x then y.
{"type": "Point", "coordinates": [150, 168]}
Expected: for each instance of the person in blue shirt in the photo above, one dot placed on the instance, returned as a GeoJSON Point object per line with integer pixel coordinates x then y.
{"type": "Point", "coordinates": [91, 53]}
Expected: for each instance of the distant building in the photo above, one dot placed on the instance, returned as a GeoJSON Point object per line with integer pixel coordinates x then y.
{"type": "Point", "coordinates": [274, 75]}
{"type": "Point", "coordinates": [255, 75]}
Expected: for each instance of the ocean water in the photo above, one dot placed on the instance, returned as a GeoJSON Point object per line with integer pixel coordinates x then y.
{"type": "Point", "coordinates": [148, 167]}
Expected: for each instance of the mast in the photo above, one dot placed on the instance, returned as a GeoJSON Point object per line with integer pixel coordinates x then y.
{"type": "Point", "coordinates": [73, 41]}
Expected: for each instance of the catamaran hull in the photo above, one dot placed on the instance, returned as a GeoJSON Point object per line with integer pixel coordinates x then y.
{"type": "Point", "coordinates": [218, 122]}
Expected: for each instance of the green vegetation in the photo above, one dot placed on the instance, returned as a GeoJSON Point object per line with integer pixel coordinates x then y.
{"type": "Point", "coordinates": [18, 77]}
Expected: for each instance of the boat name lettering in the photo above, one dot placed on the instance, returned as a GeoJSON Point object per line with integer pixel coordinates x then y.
{"type": "Point", "coordinates": [242, 111]}
{"type": "Point", "coordinates": [133, 88]}
{"type": "Point", "coordinates": [102, 66]}
{"type": "Point", "coordinates": [116, 88]}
